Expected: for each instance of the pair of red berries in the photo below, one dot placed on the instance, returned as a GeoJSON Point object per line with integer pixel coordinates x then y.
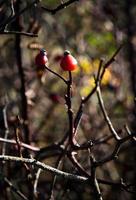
{"type": "Point", "coordinates": [67, 63]}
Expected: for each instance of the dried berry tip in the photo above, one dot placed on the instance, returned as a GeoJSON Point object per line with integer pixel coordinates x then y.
{"type": "Point", "coordinates": [43, 52]}
{"type": "Point", "coordinates": [66, 52]}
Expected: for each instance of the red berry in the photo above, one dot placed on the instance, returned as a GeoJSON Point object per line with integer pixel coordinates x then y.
{"type": "Point", "coordinates": [41, 58]}
{"type": "Point", "coordinates": [68, 62]}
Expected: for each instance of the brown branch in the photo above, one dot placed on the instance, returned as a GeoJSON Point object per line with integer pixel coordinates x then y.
{"type": "Point", "coordinates": [115, 152]}
{"type": "Point", "coordinates": [18, 33]}
{"type": "Point", "coordinates": [59, 7]}
{"type": "Point", "coordinates": [24, 107]}
{"type": "Point", "coordinates": [17, 135]}
{"type": "Point", "coordinates": [106, 117]}
{"type": "Point", "coordinates": [36, 182]}
{"type": "Point", "coordinates": [57, 166]}
{"type": "Point", "coordinates": [18, 51]}
{"type": "Point", "coordinates": [92, 143]}
{"type": "Point", "coordinates": [56, 74]}
{"type": "Point", "coordinates": [76, 164]}
{"type": "Point", "coordinates": [121, 184]}
{"type": "Point", "coordinates": [49, 151]}
{"type": "Point", "coordinates": [111, 60]}
{"type": "Point", "coordinates": [83, 101]}
{"type": "Point", "coordinates": [44, 167]}
{"type": "Point", "coordinates": [6, 128]}
{"type": "Point", "coordinates": [129, 132]}
{"type": "Point", "coordinates": [94, 182]}
{"type": "Point", "coordinates": [13, 17]}
{"type": "Point", "coordinates": [14, 189]}
{"type": "Point", "coordinates": [27, 146]}
{"type": "Point", "coordinates": [99, 78]}
{"type": "Point", "coordinates": [68, 98]}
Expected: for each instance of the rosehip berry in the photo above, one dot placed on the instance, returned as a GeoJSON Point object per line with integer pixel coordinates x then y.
{"type": "Point", "coordinates": [68, 62]}
{"type": "Point", "coordinates": [41, 58]}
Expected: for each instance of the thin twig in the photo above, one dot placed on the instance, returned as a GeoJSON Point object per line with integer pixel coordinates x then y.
{"type": "Point", "coordinates": [56, 74]}
{"type": "Point", "coordinates": [49, 151]}
{"type": "Point", "coordinates": [126, 187]}
{"type": "Point", "coordinates": [5, 32]}
{"type": "Point", "coordinates": [94, 181]}
{"type": "Point", "coordinates": [93, 143]}
{"type": "Point", "coordinates": [12, 7]}
{"type": "Point", "coordinates": [115, 152]}
{"type": "Point", "coordinates": [6, 128]}
{"type": "Point", "coordinates": [17, 132]}
{"type": "Point", "coordinates": [13, 17]}
{"type": "Point", "coordinates": [44, 167]}
{"type": "Point", "coordinates": [27, 146]}
{"type": "Point", "coordinates": [129, 132]}
{"type": "Point", "coordinates": [36, 182]}
{"type": "Point", "coordinates": [106, 117]}
{"type": "Point", "coordinates": [57, 166]}
{"type": "Point", "coordinates": [18, 51]}
{"type": "Point", "coordinates": [83, 101]}
{"type": "Point", "coordinates": [14, 189]}
{"type": "Point", "coordinates": [59, 7]}
{"type": "Point", "coordinates": [111, 60]}
{"type": "Point", "coordinates": [68, 98]}
{"type": "Point", "coordinates": [100, 76]}
{"type": "Point", "coordinates": [77, 165]}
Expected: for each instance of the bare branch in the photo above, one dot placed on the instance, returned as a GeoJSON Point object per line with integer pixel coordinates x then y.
{"type": "Point", "coordinates": [56, 74]}
{"type": "Point", "coordinates": [94, 181]}
{"type": "Point", "coordinates": [18, 33]}
{"type": "Point", "coordinates": [13, 17]}
{"type": "Point", "coordinates": [36, 181]}
{"type": "Point", "coordinates": [68, 98]}
{"type": "Point", "coordinates": [106, 117]}
{"type": "Point", "coordinates": [27, 146]}
{"type": "Point", "coordinates": [115, 152]}
{"type": "Point", "coordinates": [14, 189]}
{"type": "Point", "coordinates": [44, 167]}
{"type": "Point", "coordinates": [111, 60]}
{"type": "Point", "coordinates": [59, 7]}
{"type": "Point", "coordinates": [6, 128]}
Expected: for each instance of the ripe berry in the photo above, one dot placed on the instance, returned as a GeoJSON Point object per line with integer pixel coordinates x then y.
{"type": "Point", "coordinates": [68, 62]}
{"type": "Point", "coordinates": [41, 58]}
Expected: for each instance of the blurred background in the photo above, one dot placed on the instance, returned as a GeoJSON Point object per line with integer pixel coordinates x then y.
{"type": "Point", "coordinates": [91, 30]}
